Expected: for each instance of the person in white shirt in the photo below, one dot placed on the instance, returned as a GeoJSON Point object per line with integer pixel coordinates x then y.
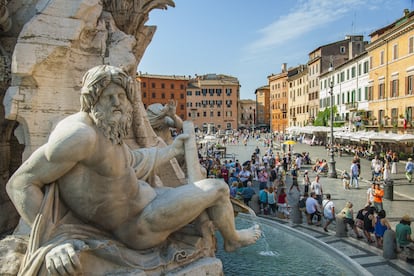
{"type": "Point", "coordinates": [312, 208]}
{"type": "Point", "coordinates": [316, 187]}
{"type": "Point", "coordinates": [370, 194]}
{"type": "Point", "coordinates": [328, 211]}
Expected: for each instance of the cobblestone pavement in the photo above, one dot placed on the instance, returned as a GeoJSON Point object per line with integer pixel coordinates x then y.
{"type": "Point", "coordinates": [367, 255]}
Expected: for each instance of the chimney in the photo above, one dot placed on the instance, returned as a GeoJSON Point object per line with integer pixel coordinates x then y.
{"type": "Point", "coordinates": [284, 67]}
{"type": "Point", "coordinates": [406, 12]}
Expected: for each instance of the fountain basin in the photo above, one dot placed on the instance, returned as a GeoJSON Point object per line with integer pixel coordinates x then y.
{"type": "Point", "coordinates": [285, 251]}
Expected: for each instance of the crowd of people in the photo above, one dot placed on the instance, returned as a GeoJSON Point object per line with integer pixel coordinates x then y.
{"type": "Point", "coordinates": [270, 171]}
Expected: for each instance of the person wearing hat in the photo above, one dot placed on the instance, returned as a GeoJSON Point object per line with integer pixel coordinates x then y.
{"type": "Point", "coordinates": [403, 233]}
{"type": "Point", "coordinates": [409, 168]}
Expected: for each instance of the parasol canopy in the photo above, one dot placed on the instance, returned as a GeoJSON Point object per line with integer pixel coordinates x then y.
{"type": "Point", "coordinates": [289, 142]}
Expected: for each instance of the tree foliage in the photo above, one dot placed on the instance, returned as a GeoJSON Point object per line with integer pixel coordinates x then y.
{"type": "Point", "coordinates": [323, 118]}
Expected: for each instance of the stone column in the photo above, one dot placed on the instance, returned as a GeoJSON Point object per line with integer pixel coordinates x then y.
{"type": "Point", "coordinates": [340, 228]}
{"type": "Point", "coordinates": [389, 246]}
{"type": "Point", "coordinates": [296, 214]}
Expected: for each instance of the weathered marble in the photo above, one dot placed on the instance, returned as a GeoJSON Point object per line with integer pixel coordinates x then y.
{"type": "Point", "coordinates": [92, 201]}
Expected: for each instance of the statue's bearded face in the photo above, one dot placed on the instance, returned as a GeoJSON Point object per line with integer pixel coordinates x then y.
{"type": "Point", "coordinates": [113, 113]}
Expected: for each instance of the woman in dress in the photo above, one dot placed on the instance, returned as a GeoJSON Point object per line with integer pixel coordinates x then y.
{"type": "Point", "coordinates": [394, 163]}
{"type": "Point", "coordinates": [386, 171]}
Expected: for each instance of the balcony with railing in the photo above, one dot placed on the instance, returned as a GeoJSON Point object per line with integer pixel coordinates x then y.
{"type": "Point", "coordinates": [352, 106]}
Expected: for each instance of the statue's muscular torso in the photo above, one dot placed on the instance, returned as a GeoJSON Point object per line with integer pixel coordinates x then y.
{"type": "Point", "coordinates": [103, 188]}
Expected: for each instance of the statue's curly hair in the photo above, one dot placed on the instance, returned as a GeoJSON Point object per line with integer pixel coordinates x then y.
{"type": "Point", "coordinates": [98, 78]}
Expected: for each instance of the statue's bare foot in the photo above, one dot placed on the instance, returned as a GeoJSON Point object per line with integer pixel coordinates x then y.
{"type": "Point", "coordinates": [246, 237]}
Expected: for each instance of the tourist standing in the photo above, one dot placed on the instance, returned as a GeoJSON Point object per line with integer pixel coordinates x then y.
{"type": "Point", "coordinates": [248, 193]}
{"type": "Point", "coordinates": [345, 180]}
{"type": "Point", "coordinates": [282, 203]}
{"type": "Point", "coordinates": [271, 200]}
{"type": "Point", "coordinates": [394, 163]}
{"type": "Point", "coordinates": [409, 168]}
{"type": "Point", "coordinates": [263, 201]}
{"type": "Point", "coordinates": [263, 178]}
{"type": "Point", "coordinates": [354, 174]}
{"type": "Point", "coordinates": [328, 211]}
{"type": "Point", "coordinates": [386, 171]}
{"type": "Point", "coordinates": [312, 208]}
{"type": "Point", "coordinates": [316, 187]}
{"type": "Point", "coordinates": [294, 174]}
{"type": "Point", "coordinates": [306, 181]}
{"type": "Point", "coordinates": [378, 195]}
{"type": "Point", "coordinates": [370, 194]}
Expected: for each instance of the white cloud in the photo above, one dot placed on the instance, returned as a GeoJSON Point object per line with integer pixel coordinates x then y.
{"type": "Point", "coordinates": [305, 17]}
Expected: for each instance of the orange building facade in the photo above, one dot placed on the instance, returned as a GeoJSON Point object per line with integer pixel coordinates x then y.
{"type": "Point", "coordinates": [163, 88]}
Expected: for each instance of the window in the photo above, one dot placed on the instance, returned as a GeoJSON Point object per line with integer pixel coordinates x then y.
{"type": "Point", "coordinates": [370, 95]}
{"type": "Point", "coordinates": [409, 86]}
{"type": "Point", "coordinates": [211, 113]}
{"type": "Point", "coordinates": [197, 93]}
{"type": "Point", "coordinates": [182, 107]}
{"type": "Point", "coordinates": [228, 91]}
{"type": "Point", "coordinates": [218, 114]}
{"type": "Point", "coordinates": [181, 95]}
{"type": "Point", "coordinates": [218, 92]}
{"type": "Point", "coordinates": [152, 85]}
{"type": "Point", "coordinates": [204, 92]}
{"type": "Point", "coordinates": [366, 67]}
{"type": "Point", "coordinates": [172, 85]}
{"type": "Point", "coordinates": [144, 84]}
{"type": "Point", "coordinates": [382, 58]}
{"type": "Point", "coordinates": [182, 86]}
{"type": "Point", "coordinates": [204, 113]}
{"type": "Point", "coordinates": [162, 85]}
{"type": "Point", "coordinates": [409, 114]}
{"type": "Point", "coordinates": [381, 91]}
{"type": "Point", "coordinates": [411, 45]}
{"type": "Point", "coordinates": [163, 96]}
{"type": "Point", "coordinates": [394, 116]}
{"type": "Point", "coordinates": [172, 96]}
{"type": "Point", "coordinates": [211, 92]}
{"type": "Point", "coordinates": [394, 88]}
{"type": "Point", "coordinates": [359, 94]}
{"type": "Point", "coordinates": [394, 51]}
{"type": "Point", "coordinates": [353, 72]}
{"type": "Point", "coordinates": [359, 69]}
{"type": "Point", "coordinates": [189, 93]}
{"type": "Point", "coordinates": [342, 49]}
{"type": "Point", "coordinates": [153, 95]}
{"type": "Point", "coordinates": [144, 95]}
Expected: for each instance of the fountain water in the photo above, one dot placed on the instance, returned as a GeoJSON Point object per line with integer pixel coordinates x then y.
{"type": "Point", "coordinates": [285, 251]}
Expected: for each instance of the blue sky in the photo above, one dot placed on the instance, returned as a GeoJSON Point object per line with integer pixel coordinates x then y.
{"type": "Point", "coordinates": [250, 39]}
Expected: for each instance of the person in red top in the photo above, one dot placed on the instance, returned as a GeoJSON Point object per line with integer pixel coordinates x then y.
{"type": "Point", "coordinates": [225, 173]}
{"type": "Point", "coordinates": [282, 203]}
{"type": "Point", "coordinates": [378, 195]}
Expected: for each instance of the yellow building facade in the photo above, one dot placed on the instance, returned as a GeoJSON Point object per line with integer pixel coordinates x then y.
{"type": "Point", "coordinates": [391, 97]}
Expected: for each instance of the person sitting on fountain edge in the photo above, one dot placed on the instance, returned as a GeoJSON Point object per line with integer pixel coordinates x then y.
{"type": "Point", "coordinates": [103, 182]}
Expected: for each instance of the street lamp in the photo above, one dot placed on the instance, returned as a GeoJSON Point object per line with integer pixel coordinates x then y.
{"type": "Point", "coordinates": [332, 169]}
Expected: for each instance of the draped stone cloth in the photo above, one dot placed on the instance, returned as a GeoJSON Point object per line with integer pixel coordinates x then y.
{"type": "Point", "coordinates": [101, 253]}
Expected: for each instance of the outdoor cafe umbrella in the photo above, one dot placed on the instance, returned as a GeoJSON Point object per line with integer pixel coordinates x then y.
{"type": "Point", "coordinates": [289, 142]}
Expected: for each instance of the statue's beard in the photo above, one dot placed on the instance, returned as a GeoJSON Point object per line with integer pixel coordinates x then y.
{"type": "Point", "coordinates": [114, 130]}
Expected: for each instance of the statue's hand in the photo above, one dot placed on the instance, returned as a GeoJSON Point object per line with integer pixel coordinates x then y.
{"type": "Point", "coordinates": [63, 259]}
{"type": "Point", "coordinates": [178, 144]}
